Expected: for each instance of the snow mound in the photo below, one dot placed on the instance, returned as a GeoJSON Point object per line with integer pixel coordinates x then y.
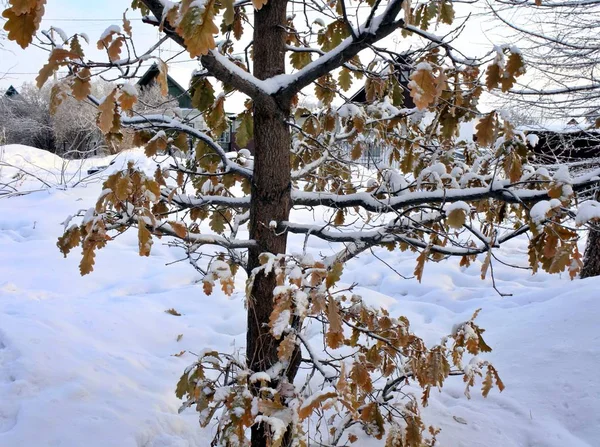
{"type": "Point", "coordinates": [28, 168]}
{"type": "Point", "coordinates": [26, 157]}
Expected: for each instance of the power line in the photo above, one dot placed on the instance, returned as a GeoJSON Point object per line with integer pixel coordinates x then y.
{"type": "Point", "coordinates": [65, 72]}
{"type": "Point", "coordinates": [90, 20]}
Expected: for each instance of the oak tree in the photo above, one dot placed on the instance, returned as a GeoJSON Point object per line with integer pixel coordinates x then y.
{"type": "Point", "coordinates": [432, 195]}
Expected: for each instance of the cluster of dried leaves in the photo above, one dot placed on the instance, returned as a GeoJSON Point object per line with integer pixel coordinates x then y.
{"type": "Point", "coordinates": [370, 365]}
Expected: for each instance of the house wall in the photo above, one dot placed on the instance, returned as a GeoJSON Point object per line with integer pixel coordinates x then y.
{"type": "Point", "coordinates": [566, 147]}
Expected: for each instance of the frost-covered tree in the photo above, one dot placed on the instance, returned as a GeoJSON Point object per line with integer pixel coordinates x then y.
{"type": "Point", "coordinates": [68, 129]}
{"type": "Point", "coordinates": [560, 41]}
{"type": "Point", "coordinates": [433, 195]}
{"type": "Point", "coordinates": [74, 127]}
{"type": "Point", "coordinates": [25, 118]}
{"type": "Point", "coordinates": [151, 100]}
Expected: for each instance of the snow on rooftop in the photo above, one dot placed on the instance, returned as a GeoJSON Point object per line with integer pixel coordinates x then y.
{"type": "Point", "coordinates": [558, 127]}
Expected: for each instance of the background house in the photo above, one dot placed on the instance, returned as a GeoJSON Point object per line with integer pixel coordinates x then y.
{"type": "Point", "coordinates": [564, 143]}
{"type": "Point", "coordinates": [376, 152]}
{"type": "Point", "coordinates": [11, 92]}
{"type": "Point", "coordinates": [402, 74]}
{"type": "Point", "coordinates": [183, 100]}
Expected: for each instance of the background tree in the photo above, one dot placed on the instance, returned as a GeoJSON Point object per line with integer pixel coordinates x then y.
{"type": "Point", "coordinates": [25, 118]}
{"type": "Point", "coordinates": [559, 40]}
{"type": "Point", "coordinates": [76, 134]}
{"type": "Point", "coordinates": [68, 130]}
{"type": "Point", "coordinates": [151, 100]}
{"type": "Point", "coordinates": [447, 198]}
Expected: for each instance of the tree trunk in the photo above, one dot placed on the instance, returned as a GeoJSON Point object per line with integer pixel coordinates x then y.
{"type": "Point", "coordinates": [270, 189]}
{"type": "Point", "coordinates": [591, 259]}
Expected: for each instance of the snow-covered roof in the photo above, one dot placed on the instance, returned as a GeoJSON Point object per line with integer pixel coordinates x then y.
{"type": "Point", "coordinates": [558, 128]}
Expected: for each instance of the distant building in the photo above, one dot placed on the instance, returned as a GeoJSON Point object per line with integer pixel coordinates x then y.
{"type": "Point", "coordinates": [11, 92]}
{"type": "Point", "coordinates": [402, 74]}
{"type": "Point", "coordinates": [181, 94]}
{"type": "Point", "coordinates": [564, 144]}
{"type": "Point", "coordinates": [375, 152]}
{"type": "Point", "coordinates": [184, 100]}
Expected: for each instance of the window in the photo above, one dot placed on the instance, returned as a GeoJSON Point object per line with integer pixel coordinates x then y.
{"type": "Point", "coordinates": [225, 139]}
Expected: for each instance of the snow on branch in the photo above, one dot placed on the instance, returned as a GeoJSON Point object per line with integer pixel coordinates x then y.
{"type": "Point", "coordinates": [184, 201]}
{"type": "Point", "coordinates": [502, 190]}
{"type": "Point", "coordinates": [205, 239]}
{"type": "Point", "coordinates": [384, 235]}
{"type": "Point", "coordinates": [217, 65]}
{"type": "Point", "coordinates": [285, 86]}
{"type": "Point", "coordinates": [167, 122]}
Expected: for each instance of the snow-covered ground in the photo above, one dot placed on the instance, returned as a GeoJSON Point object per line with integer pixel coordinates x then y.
{"type": "Point", "coordinates": [89, 361]}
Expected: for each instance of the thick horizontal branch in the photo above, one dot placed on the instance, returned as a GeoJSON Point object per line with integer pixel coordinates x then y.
{"type": "Point", "coordinates": [165, 228]}
{"type": "Point", "coordinates": [227, 72]}
{"type": "Point", "coordinates": [382, 236]}
{"type": "Point", "coordinates": [206, 239]}
{"type": "Point", "coordinates": [359, 242]}
{"type": "Point", "coordinates": [500, 190]}
{"type": "Point", "coordinates": [184, 201]}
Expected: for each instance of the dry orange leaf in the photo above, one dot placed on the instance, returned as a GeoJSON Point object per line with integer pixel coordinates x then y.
{"type": "Point", "coordinates": [335, 334]}
{"type": "Point", "coordinates": [107, 111]}
{"type": "Point", "coordinates": [456, 218]}
{"type": "Point", "coordinates": [127, 101]}
{"type": "Point", "coordinates": [485, 130]}
{"type": "Point", "coordinates": [114, 49]}
{"type": "Point", "coordinates": [179, 228]}
{"type": "Point", "coordinates": [57, 57]}
{"type": "Point", "coordinates": [306, 410]}
{"type": "Point", "coordinates": [20, 28]}
{"type": "Point", "coordinates": [127, 25]}
{"type": "Point", "coordinates": [144, 238]}
{"type": "Point", "coordinates": [493, 76]}
{"type": "Point", "coordinates": [198, 29]}
{"type": "Point", "coordinates": [87, 261]}
{"type": "Point", "coordinates": [57, 95]}
{"type": "Point", "coordinates": [23, 6]}
{"type": "Point", "coordinates": [423, 87]}
{"type": "Point", "coordinates": [81, 85]}
{"type": "Point", "coordinates": [162, 78]}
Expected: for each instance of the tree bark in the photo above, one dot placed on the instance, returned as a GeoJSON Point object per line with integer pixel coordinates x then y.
{"type": "Point", "coordinates": [591, 259]}
{"type": "Point", "coordinates": [271, 189]}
